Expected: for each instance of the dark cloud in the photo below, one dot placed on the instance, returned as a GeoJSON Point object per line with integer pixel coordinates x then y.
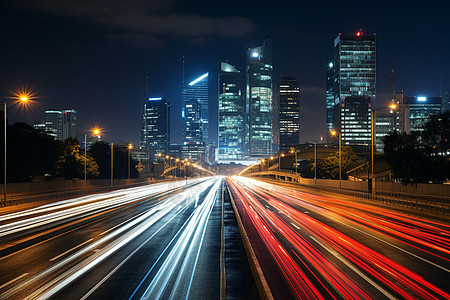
{"type": "Point", "coordinates": [155, 20]}
{"type": "Point", "coordinates": [140, 40]}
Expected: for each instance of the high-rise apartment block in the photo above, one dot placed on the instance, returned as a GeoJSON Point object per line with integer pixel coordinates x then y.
{"type": "Point", "coordinates": [155, 127]}
{"type": "Point", "coordinates": [259, 100]}
{"type": "Point", "coordinates": [231, 113]}
{"type": "Point", "coordinates": [354, 87]}
{"type": "Point", "coordinates": [289, 114]}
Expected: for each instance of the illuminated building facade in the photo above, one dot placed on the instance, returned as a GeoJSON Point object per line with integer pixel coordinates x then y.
{"type": "Point", "coordinates": [231, 113]}
{"type": "Point", "coordinates": [419, 109]}
{"type": "Point", "coordinates": [353, 120]}
{"type": "Point", "coordinates": [193, 121]}
{"type": "Point", "coordinates": [60, 124]}
{"type": "Point", "coordinates": [198, 90]}
{"type": "Point", "coordinates": [54, 123]}
{"type": "Point", "coordinates": [289, 99]}
{"type": "Point", "coordinates": [388, 119]}
{"type": "Point", "coordinates": [259, 100]}
{"type": "Point", "coordinates": [329, 98]}
{"type": "Point", "coordinates": [69, 123]}
{"type": "Point", "coordinates": [354, 87]}
{"type": "Point", "coordinates": [155, 128]}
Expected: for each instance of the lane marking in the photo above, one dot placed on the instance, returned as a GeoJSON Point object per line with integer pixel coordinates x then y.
{"type": "Point", "coordinates": [354, 269]}
{"type": "Point", "coordinates": [62, 254]}
{"type": "Point", "coordinates": [293, 224]}
{"type": "Point", "coordinates": [13, 280]}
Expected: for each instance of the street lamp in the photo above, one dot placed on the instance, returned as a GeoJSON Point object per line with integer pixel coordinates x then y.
{"type": "Point", "coordinates": [334, 133]}
{"type": "Point", "coordinates": [130, 146]}
{"type": "Point", "coordinates": [179, 168]}
{"type": "Point", "coordinates": [279, 161]}
{"type": "Point", "coordinates": [23, 99]}
{"type": "Point", "coordinates": [95, 132]}
{"type": "Point", "coordinates": [295, 158]}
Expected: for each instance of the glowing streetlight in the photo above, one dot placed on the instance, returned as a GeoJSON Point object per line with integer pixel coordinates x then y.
{"type": "Point", "coordinates": [24, 99]}
{"type": "Point", "coordinates": [130, 147]}
{"type": "Point", "coordinates": [94, 132]}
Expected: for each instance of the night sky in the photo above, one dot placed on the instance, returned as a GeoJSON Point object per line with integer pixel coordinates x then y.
{"type": "Point", "coordinates": [94, 55]}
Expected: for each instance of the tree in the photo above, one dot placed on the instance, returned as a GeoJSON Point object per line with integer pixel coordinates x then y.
{"type": "Point", "coordinates": [71, 162]}
{"type": "Point", "coordinates": [329, 167]}
{"type": "Point", "coordinates": [421, 156]}
{"type": "Point", "coordinates": [30, 153]}
{"type": "Point", "coordinates": [101, 152]}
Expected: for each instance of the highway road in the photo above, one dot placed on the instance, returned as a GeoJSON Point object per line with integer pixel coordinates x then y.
{"type": "Point", "coordinates": [161, 241]}
{"type": "Point", "coordinates": [333, 248]}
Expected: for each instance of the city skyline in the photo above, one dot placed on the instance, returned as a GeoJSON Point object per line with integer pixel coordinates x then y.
{"type": "Point", "coordinates": [64, 70]}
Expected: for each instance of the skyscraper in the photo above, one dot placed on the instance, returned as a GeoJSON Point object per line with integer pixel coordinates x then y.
{"type": "Point", "coordinates": [155, 127]}
{"type": "Point", "coordinates": [193, 121]}
{"type": "Point", "coordinates": [354, 86]}
{"type": "Point", "coordinates": [231, 113]}
{"type": "Point", "coordinates": [69, 123]}
{"type": "Point", "coordinates": [54, 123]}
{"type": "Point", "coordinates": [289, 98]}
{"type": "Point", "coordinates": [354, 120]}
{"type": "Point", "coordinates": [197, 90]}
{"type": "Point", "coordinates": [388, 119]}
{"type": "Point", "coordinates": [419, 109]}
{"type": "Point", "coordinates": [329, 101]}
{"type": "Point", "coordinates": [259, 99]}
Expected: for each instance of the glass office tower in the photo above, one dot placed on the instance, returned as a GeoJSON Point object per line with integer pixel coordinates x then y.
{"type": "Point", "coordinates": [198, 90]}
{"type": "Point", "coordinates": [231, 113]}
{"type": "Point", "coordinates": [289, 98]}
{"type": "Point", "coordinates": [329, 100]}
{"type": "Point", "coordinates": [155, 127]}
{"type": "Point", "coordinates": [354, 84]}
{"type": "Point", "coordinates": [69, 123]}
{"type": "Point", "coordinates": [419, 109]}
{"type": "Point", "coordinates": [54, 123]}
{"type": "Point", "coordinates": [259, 100]}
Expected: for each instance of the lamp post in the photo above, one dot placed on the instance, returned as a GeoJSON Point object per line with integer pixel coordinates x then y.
{"type": "Point", "coordinates": [130, 146]}
{"type": "Point", "coordinates": [334, 132]}
{"type": "Point", "coordinates": [95, 132]}
{"type": "Point", "coordinates": [295, 159]}
{"type": "Point", "coordinates": [179, 172]}
{"type": "Point", "coordinates": [279, 161]}
{"type": "Point", "coordinates": [22, 99]}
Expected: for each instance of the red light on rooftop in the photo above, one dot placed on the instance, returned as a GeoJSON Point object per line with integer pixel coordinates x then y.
{"type": "Point", "coordinates": [358, 33]}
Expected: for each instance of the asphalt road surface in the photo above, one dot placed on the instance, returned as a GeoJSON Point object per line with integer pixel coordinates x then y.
{"type": "Point", "coordinates": [333, 248]}
{"type": "Point", "coordinates": [161, 241]}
